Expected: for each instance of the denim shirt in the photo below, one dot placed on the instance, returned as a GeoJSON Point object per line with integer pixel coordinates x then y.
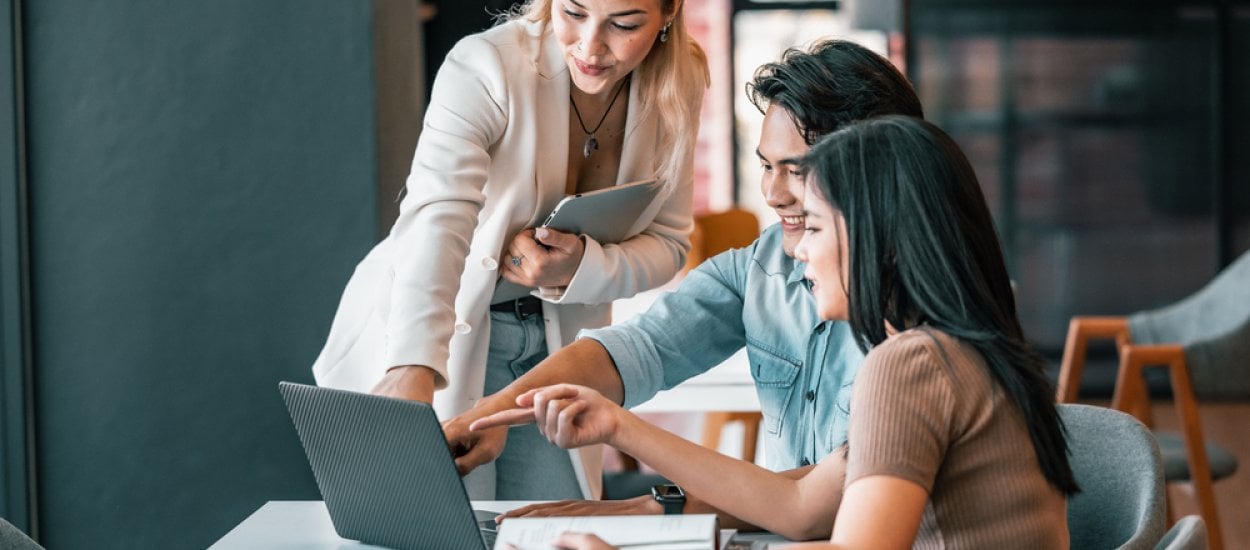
{"type": "Point", "coordinates": [755, 296]}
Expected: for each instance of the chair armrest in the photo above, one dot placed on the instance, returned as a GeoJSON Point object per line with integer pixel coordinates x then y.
{"type": "Point", "coordinates": [1081, 330]}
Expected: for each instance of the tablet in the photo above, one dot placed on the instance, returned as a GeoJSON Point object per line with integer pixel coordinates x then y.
{"type": "Point", "coordinates": [606, 215]}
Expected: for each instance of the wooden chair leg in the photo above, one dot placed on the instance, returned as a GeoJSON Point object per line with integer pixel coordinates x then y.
{"type": "Point", "coordinates": [715, 422]}
{"type": "Point", "coordinates": [1131, 397]}
{"type": "Point", "coordinates": [1081, 330]}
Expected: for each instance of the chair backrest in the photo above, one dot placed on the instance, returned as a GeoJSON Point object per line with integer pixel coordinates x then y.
{"type": "Point", "coordinates": [1190, 533]}
{"type": "Point", "coordinates": [1221, 306]}
{"type": "Point", "coordinates": [720, 231]}
{"type": "Point", "coordinates": [1117, 464]}
{"type": "Point", "coordinates": [1213, 325]}
{"type": "Point", "coordinates": [12, 538]}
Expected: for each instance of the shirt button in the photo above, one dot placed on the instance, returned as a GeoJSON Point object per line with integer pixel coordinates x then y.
{"type": "Point", "coordinates": [489, 264]}
{"type": "Point", "coordinates": [805, 462]}
{"type": "Point", "coordinates": [820, 329]}
{"type": "Point", "coordinates": [463, 328]}
{"type": "Point", "coordinates": [811, 395]}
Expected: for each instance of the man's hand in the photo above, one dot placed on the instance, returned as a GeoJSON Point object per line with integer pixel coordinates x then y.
{"type": "Point", "coordinates": [412, 382]}
{"type": "Point", "coordinates": [643, 505]}
{"type": "Point", "coordinates": [472, 449]}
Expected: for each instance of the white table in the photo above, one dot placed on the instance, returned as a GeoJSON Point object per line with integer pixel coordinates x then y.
{"type": "Point", "coordinates": [305, 525]}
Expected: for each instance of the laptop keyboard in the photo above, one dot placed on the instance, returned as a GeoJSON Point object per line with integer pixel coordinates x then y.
{"type": "Point", "coordinates": [487, 527]}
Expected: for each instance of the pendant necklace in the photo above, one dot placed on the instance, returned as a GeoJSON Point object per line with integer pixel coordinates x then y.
{"type": "Point", "coordinates": [591, 143]}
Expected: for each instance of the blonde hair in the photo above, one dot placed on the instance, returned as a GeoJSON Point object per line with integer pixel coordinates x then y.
{"type": "Point", "coordinates": [671, 81]}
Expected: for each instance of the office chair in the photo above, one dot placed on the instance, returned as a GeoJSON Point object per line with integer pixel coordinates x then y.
{"type": "Point", "coordinates": [1190, 533]}
{"type": "Point", "coordinates": [1118, 467]}
{"type": "Point", "coordinates": [1204, 343]}
{"type": "Point", "coordinates": [12, 538]}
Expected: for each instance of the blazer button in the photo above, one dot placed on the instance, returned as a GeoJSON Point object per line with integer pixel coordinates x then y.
{"type": "Point", "coordinates": [489, 264]}
{"type": "Point", "coordinates": [463, 328]}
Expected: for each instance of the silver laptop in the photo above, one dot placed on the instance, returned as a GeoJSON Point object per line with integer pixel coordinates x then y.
{"type": "Point", "coordinates": [385, 470]}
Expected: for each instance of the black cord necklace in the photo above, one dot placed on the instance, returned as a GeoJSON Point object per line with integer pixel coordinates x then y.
{"type": "Point", "coordinates": [592, 144]}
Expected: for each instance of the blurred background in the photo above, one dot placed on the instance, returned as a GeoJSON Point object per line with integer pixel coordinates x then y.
{"type": "Point", "coordinates": [185, 187]}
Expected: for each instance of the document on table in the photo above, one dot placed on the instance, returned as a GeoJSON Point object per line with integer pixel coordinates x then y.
{"type": "Point", "coordinates": [672, 532]}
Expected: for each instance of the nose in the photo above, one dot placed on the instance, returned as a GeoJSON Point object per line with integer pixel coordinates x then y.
{"type": "Point", "coordinates": [800, 250]}
{"type": "Point", "coordinates": [776, 193]}
{"type": "Point", "coordinates": [591, 40]}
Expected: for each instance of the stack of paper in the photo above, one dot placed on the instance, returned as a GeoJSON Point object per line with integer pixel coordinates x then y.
{"type": "Point", "coordinates": [673, 532]}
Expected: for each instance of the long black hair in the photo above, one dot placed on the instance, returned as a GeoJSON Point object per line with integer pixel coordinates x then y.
{"type": "Point", "coordinates": [923, 250]}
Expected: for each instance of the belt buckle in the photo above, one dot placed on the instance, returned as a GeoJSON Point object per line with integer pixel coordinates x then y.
{"type": "Point", "coordinates": [518, 306]}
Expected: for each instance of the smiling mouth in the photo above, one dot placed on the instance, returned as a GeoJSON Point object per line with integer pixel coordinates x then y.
{"type": "Point", "coordinates": [798, 221]}
{"type": "Point", "coordinates": [589, 68]}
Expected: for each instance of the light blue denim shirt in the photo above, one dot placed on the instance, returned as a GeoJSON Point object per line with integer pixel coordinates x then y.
{"type": "Point", "coordinates": [754, 296]}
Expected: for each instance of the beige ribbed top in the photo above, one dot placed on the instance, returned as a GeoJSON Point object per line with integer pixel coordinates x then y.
{"type": "Point", "coordinates": [925, 409]}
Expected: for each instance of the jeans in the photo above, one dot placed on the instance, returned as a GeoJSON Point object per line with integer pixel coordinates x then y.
{"type": "Point", "coordinates": [530, 468]}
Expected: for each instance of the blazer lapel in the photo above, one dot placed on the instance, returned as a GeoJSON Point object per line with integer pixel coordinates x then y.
{"type": "Point", "coordinates": [551, 121]}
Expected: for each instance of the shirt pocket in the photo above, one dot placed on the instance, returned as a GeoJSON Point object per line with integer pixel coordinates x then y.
{"type": "Point", "coordinates": [774, 381]}
{"type": "Point", "coordinates": [841, 417]}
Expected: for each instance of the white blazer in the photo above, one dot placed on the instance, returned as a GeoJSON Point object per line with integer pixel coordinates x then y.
{"type": "Point", "coordinates": [492, 161]}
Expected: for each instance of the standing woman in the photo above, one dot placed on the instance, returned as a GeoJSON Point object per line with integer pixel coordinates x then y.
{"type": "Point", "coordinates": [561, 97]}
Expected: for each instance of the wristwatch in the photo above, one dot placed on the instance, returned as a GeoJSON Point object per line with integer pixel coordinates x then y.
{"type": "Point", "coordinates": [671, 497]}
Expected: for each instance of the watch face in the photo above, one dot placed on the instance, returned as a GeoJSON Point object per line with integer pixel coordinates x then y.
{"type": "Point", "coordinates": [669, 491]}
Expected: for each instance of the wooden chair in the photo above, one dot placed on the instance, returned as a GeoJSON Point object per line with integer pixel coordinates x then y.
{"type": "Point", "coordinates": [713, 234]}
{"type": "Point", "coordinates": [1204, 343]}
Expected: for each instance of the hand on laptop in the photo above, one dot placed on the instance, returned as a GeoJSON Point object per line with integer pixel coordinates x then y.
{"type": "Point", "coordinates": [643, 505]}
{"type": "Point", "coordinates": [412, 382]}
{"type": "Point", "coordinates": [473, 448]}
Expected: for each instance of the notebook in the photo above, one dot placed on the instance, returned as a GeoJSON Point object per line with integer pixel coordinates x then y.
{"type": "Point", "coordinates": [385, 470]}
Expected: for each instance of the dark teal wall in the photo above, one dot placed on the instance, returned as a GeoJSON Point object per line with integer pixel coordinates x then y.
{"type": "Point", "coordinates": [13, 349]}
{"type": "Point", "coordinates": [202, 180]}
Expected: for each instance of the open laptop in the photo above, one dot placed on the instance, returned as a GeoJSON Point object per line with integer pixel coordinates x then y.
{"type": "Point", "coordinates": [385, 471]}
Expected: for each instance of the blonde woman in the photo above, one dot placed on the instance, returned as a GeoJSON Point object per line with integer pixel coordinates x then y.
{"type": "Point", "coordinates": [562, 96]}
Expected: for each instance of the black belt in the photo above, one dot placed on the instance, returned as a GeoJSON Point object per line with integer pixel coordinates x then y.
{"type": "Point", "coordinates": [522, 307]}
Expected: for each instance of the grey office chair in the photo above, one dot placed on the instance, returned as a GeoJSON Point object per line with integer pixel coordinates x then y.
{"type": "Point", "coordinates": [1204, 342]}
{"type": "Point", "coordinates": [1190, 533]}
{"type": "Point", "coordinates": [11, 538]}
{"type": "Point", "coordinates": [1117, 464]}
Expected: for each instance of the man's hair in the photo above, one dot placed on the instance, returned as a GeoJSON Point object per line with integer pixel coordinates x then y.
{"type": "Point", "coordinates": [832, 84]}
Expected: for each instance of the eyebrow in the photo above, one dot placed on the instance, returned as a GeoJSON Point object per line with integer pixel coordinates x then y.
{"type": "Point", "coordinates": [617, 14]}
{"type": "Point", "coordinates": [791, 160]}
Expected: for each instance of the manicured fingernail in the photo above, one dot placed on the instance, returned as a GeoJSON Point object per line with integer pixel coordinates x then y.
{"type": "Point", "coordinates": [542, 233]}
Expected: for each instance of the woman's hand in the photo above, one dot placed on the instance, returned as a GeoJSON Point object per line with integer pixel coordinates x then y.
{"type": "Point", "coordinates": [543, 257]}
{"type": "Point", "coordinates": [580, 541]}
{"type": "Point", "coordinates": [568, 415]}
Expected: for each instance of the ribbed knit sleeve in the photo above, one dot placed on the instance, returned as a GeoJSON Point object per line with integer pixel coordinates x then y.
{"type": "Point", "coordinates": [926, 410]}
{"type": "Point", "coordinates": [902, 412]}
